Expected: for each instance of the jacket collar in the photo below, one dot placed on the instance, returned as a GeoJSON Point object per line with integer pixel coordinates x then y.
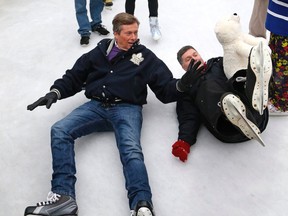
{"type": "Point", "coordinates": [112, 42]}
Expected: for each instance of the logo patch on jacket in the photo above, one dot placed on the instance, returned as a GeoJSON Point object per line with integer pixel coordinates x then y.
{"type": "Point", "coordinates": [137, 58]}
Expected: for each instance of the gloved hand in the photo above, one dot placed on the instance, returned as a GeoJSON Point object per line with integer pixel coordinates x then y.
{"type": "Point", "coordinates": [191, 76]}
{"type": "Point", "coordinates": [181, 149]}
{"type": "Point", "coordinates": [47, 100]}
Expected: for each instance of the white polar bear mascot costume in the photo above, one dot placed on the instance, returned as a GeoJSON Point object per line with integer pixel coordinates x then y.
{"type": "Point", "coordinates": [236, 44]}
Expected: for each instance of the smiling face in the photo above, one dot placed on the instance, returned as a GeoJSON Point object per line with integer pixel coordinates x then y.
{"type": "Point", "coordinates": [188, 56]}
{"type": "Point", "coordinates": [127, 36]}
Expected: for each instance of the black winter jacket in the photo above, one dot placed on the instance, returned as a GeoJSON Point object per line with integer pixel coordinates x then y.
{"type": "Point", "coordinates": [125, 77]}
{"type": "Point", "coordinates": [201, 105]}
{"type": "Point", "coordinates": [189, 116]}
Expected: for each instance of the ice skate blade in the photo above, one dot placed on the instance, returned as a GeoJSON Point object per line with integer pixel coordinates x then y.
{"type": "Point", "coordinates": [261, 65]}
{"type": "Point", "coordinates": [44, 215]}
{"type": "Point", "coordinates": [235, 111]}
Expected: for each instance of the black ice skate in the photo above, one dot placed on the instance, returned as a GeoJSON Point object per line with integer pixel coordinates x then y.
{"type": "Point", "coordinates": [258, 76]}
{"type": "Point", "coordinates": [235, 112]}
{"type": "Point", "coordinates": [56, 205]}
{"type": "Point", "coordinates": [143, 208]}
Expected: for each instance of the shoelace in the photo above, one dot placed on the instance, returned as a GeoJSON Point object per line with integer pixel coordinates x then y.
{"type": "Point", "coordinates": [51, 198]}
{"type": "Point", "coordinates": [155, 28]}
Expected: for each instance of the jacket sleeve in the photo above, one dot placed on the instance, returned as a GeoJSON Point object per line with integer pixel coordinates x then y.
{"type": "Point", "coordinates": [162, 82]}
{"type": "Point", "coordinates": [189, 119]}
{"type": "Point", "coordinates": [74, 79]}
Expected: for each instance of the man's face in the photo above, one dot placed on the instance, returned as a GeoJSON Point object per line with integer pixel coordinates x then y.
{"type": "Point", "coordinates": [188, 56]}
{"type": "Point", "coordinates": [127, 36]}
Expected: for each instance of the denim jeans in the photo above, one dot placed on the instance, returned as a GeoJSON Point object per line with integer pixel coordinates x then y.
{"type": "Point", "coordinates": [126, 122]}
{"type": "Point", "coordinates": [96, 7]}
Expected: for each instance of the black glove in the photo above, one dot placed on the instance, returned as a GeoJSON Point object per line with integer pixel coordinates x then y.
{"type": "Point", "coordinates": [191, 76]}
{"type": "Point", "coordinates": [47, 100]}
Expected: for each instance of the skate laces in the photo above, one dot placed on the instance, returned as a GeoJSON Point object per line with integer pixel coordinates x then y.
{"type": "Point", "coordinates": [51, 198]}
{"type": "Point", "coordinates": [155, 28]}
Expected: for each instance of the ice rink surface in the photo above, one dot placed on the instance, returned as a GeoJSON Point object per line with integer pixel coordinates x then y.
{"type": "Point", "coordinates": [39, 41]}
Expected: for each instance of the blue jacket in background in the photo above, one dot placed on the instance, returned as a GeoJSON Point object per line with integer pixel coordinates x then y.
{"type": "Point", "coordinates": [277, 17]}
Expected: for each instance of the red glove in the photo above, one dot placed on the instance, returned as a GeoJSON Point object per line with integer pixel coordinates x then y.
{"type": "Point", "coordinates": [181, 149]}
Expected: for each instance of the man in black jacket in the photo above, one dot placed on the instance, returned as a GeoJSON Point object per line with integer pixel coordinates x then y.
{"type": "Point", "coordinates": [115, 75]}
{"type": "Point", "coordinates": [226, 107]}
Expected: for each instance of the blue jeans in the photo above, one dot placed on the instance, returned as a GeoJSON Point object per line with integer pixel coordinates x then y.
{"type": "Point", "coordinates": [126, 121]}
{"type": "Point", "coordinates": [96, 7]}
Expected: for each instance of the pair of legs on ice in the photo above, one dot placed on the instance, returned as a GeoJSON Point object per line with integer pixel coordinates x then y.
{"type": "Point", "coordinates": [235, 111]}
{"type": "Point", "coordinates": [125, 120]}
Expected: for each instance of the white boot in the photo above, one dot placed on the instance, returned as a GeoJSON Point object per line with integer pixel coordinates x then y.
{"type": "Point", "coordinates": [154, 28]}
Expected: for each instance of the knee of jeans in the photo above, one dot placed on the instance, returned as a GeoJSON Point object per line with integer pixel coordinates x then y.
{"type": "Point", "coordinates": [57, 130]}
{"type": "Point", "coordinates": [131, 155]}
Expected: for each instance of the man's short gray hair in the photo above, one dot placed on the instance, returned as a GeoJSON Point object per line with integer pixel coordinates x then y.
{"type": "Point", "coordinates": [123, 19]}
{"type": "Point", "coordinates": [182, 51]}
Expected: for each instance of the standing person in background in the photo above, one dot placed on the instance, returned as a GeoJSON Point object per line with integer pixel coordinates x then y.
{"type": "Point", "coordinates": [277, 24]}
{"type": "Point", "coordinates": [153, 16]}
{"type": "Point", "coordinates": [258, 18]}
{"type": "Point", "coordinates": [85, 26]}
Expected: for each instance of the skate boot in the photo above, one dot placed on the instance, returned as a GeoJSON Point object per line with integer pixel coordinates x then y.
{"type": "Point", "coordinates": [154, 28]}
{"type": "Point", "coordinates": [258, 76]}
{"type": "Point", "coordinates": [143, 208]}
{"type": "Point", "coordinates": [56, 205]}
{"type": "Point", "coordinates": [235, 111]}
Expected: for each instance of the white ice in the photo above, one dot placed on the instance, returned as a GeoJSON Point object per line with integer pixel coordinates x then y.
{"type": "Point", "coordinates": [39, 41]}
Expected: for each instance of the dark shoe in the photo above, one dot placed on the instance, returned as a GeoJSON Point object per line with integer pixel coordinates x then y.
{"type": "Point", "coordinates": [100, 29]}
{"type": "Point", "coordinates": [259, 72]}
{"type": "Point", "coordinates": [84, 40]}
{"type": "Point", "coordinates": [108, 4]}
{"type": "Point", "coordinates": [56, 205]}
{"type": "Point", "coordinates": [235, 112]}
{"type": "Point", "coordinates": [143, 208]}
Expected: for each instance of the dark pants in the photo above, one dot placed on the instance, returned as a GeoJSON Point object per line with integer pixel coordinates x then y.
{"type": "Point", "coordinates": [208, 101]}
{"type": "Point", "coordinates": [152, 5]}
